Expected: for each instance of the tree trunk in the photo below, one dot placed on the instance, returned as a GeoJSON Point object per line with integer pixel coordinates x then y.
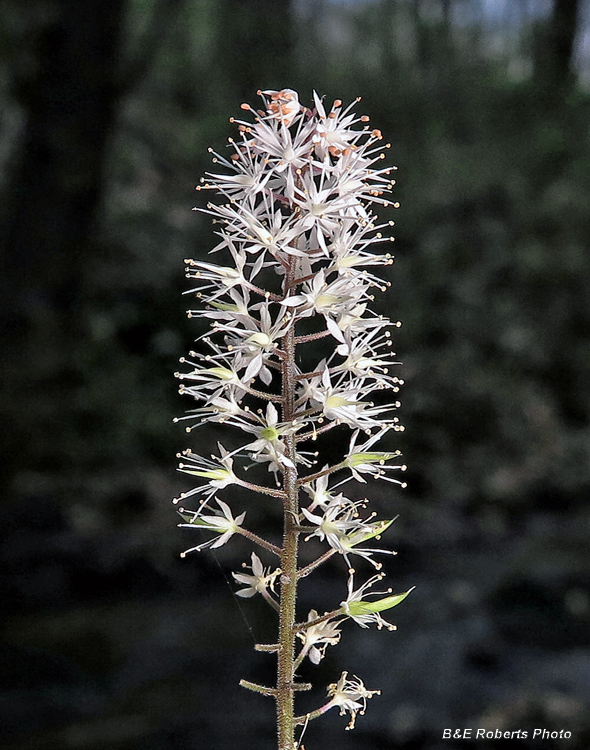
{"type": "Point", "coordinates": [54, 193]}
{"type": "Point", "coordinates": [56, 185]}
{"type": "Point", "coordinates": [555, 47]}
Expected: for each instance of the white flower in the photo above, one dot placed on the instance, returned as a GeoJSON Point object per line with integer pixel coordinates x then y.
{"type": "Point", "coordinates": [260, 582]}
{"type": "Point", "coordinates": [222, 377]}
{"type": "Point", "coordinates": [219, 472]}
{"type": "Point", "coordinates": [350, 695]}
{"type": "Point", "coordinates": [317, 638]}
{"type": "Point", "coordinates": [268, 446]}
{"type": "Point", "coordinates": [363, 358]}
{"type": "Point", "coordinates": [327, 299]}
{"type": "Point", "coordinates": [318, 491]}
{"type": "Point", "coordinates": [364, 612]}
{"type": "Point", "coordinates": [342, 528]}
{"type": "Point", "coordinates": [340, 402]}
{"type": "Point", "coordinates": [256, 340]}
{"type": "Point", "coordinates": [250, 178]}
{"type": "Point", "coordinates": [284, 104]}
{"type": "Point", "coordinates": [339, 516]}
{"type": "Point", "coordinates": [222, 523]}
{"type": "Point", "coordinates": [219, 278]}
{"type": "Point", "coordinates": [334, 132]}
{"type": "Point", "coordinates": [361, 460]}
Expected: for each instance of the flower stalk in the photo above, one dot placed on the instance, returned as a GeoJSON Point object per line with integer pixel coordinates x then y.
{"type": "Point", "coordinates": [297, 229]}
{"type": "Point", "coordinates": [285, 662]}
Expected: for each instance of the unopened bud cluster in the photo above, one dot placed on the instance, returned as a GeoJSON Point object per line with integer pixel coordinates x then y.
{"type": "Point", "coordinates": [298, 248]}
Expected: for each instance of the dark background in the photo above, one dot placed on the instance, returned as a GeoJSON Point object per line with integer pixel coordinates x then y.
{"type": "Point", "coordinates": [108, 107]}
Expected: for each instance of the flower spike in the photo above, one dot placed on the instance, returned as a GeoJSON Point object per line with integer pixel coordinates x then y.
{"type": "Point", "coordinates": [298, 256]}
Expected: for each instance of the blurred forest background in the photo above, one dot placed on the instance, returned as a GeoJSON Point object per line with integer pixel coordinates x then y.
{"type": "Point", "coordinates": [108, 107]}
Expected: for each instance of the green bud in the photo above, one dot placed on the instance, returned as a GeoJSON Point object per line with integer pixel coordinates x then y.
{"type": "Point", "coordinates": [335, 402]}
{"type": "Point", "coordinates": [229, 273]}
{"type": "Point", "coordinates": [197, 521]}
{"type": "Point", "coordinates": [218, 474]}
{"type": "Point", "coordinates": [224, 307]}
{"type": "Point", "coordinates": [223, 373]}
{"type": "Point", "coordinates": [378, 528]}
{"type": "Point", "coordinates": [325, 300]}
{"type": "Point", "coordinates": [368, 458]}
{"type": "Point", "coordinates": [366, 608]}
{"type": "Point", "coordinates": [260, 339]}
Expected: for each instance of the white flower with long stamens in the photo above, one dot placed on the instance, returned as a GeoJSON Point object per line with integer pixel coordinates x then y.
{"type": "Point", "coordinates": [261, 581]}
{"type": "Point", "coordinates": [221, 522]}
{"type": "Point", "coordinates": [219, 472]}
{"type": "Point", "coordinates": [361, 460]}
{"type": "Point", "coordinates": [369, 530]}
{"type": "Point", "coordinates": [268, 445]}
{"type": "Point", "coordinates": [363, 358]}
{"type": "Point", "coordinates": [365, 612]}
{"type": "Point", "coordinates": [218, 378]}
{"type": "Point", "coordinates": [217, 409]}
{"type": "Point", "coordinates": [327, 299]}
{"type": "Point", "coordinates": [287, 151]}
{"type": "Point", "coordinates": [336, 521]}
{"type": "Point", "coordinates": [321, 207]}
{"type": "Point", "coordinates": [317, 638]}
{"type": "Point", "coordinates": [250, 178]}
{"type": "Point", "coordinates": [349, 696]}
{"type": "Point", "coordinates": [211, 276]}
{"type": "Point", "coordinates": [342, 528]}
{"type": "Point", "coordinates": [284, 104]}
{"type": "Point", "coordinates": [257, 340]}
{"type": "Point", "coordinates": [319, 493]}
{"type": "Point", "coordinates": [341, 404]}
{"type": "Point", "coordinates": [334, 132]}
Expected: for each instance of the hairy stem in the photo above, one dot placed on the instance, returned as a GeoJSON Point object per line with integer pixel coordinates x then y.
{"type": "Point", "coordinates": [286, 653]}
{"type": "Point", "coordinates": [316, 563]}
{"type": "Point", "coordinates": [300, 627]}
{"type": "Point", "coordinates": [260, 541]}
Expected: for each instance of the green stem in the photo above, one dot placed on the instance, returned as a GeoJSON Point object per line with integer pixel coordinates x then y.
{"type": "Point", "coordinates": [312, 477]}
{"type": "Point", "coordinates": [286, 653]}
{"type": "Point", "coordinates": [260, 541]}
{"type": "Point", "coordinates": [256, 688]}
{"type": "Point", "coordinates": [316, 563]}
{"type": "Point", "coordinates": [313, 714]}
{"type": "Point", "coordinates": [299, 627]}
{"type": "Point", "coordinates": [300, 658]}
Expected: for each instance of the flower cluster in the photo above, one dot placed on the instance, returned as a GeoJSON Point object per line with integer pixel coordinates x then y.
{"type": "Point", "coordinates": [298, 236]}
